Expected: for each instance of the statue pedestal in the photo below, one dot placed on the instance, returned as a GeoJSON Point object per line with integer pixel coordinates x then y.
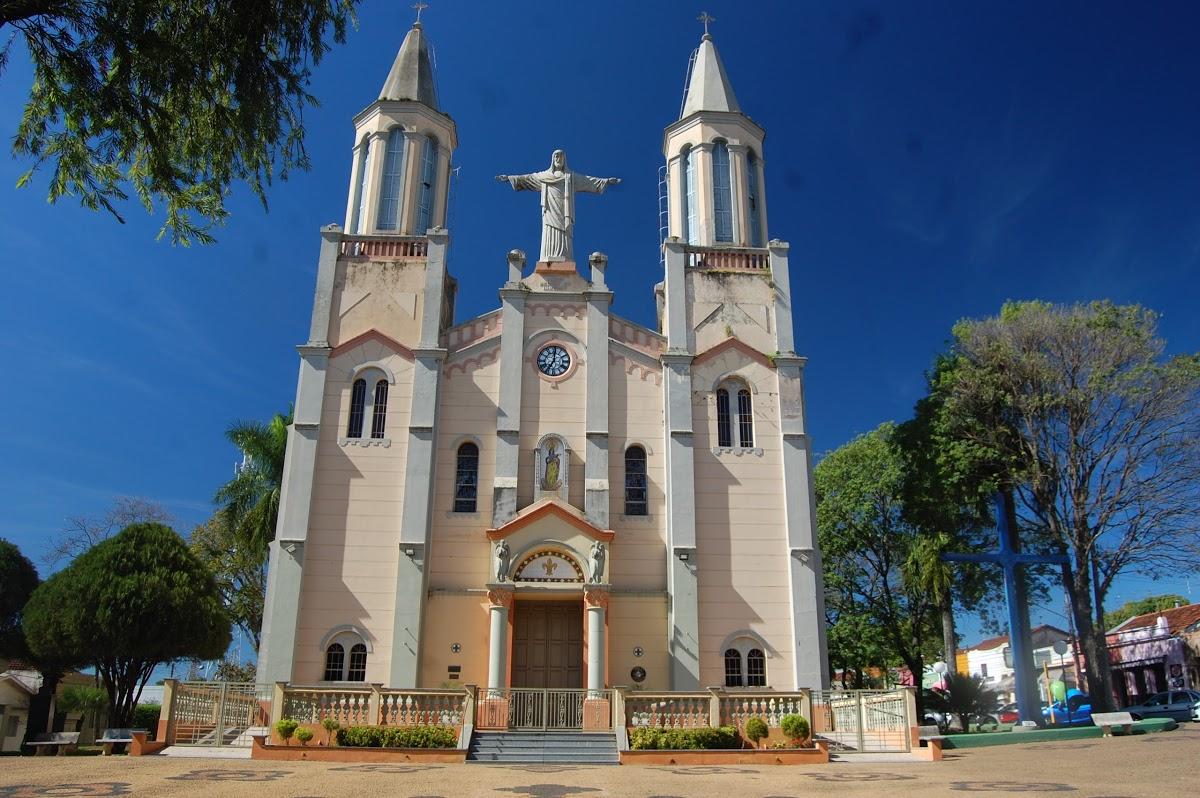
{"type": "Point", "coordinates": [555, 267]}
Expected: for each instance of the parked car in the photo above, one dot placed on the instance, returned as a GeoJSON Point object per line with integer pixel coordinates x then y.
{"type": "Point", "coordinates": [1007, 713]}
{"type": "Point", "coordinates": [1174, 704]}
{"type": "Point", "coordinates": [1075, 711]}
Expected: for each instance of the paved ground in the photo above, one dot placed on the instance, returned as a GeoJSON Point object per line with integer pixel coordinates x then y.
{"type": "Point", "coordinates": [1146, 765]}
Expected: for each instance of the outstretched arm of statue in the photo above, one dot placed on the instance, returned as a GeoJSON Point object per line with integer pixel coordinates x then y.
{"type": "Point", "coordinates": [520, 182]}
{"type": "Point", "coordinates": [612, 181]}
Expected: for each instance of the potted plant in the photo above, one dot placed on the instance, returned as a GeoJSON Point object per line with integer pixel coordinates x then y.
{"type": "Point", "coordinates": [756, 729]}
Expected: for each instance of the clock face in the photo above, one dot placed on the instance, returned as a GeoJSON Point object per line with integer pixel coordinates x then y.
{"type": "Point", "coordinates": [553, 361]}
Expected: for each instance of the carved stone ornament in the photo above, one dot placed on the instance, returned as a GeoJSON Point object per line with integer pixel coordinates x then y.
{"type": "Point", "coordinates": [595, 597]}
{"type": "Point", "coordinates": [500, 597]}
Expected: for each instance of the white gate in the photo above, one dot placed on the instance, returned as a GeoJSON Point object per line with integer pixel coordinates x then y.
{"type": "Point", "coordinates": [220, 713]}
{"type": "Point", "coordinates": [862, 721]}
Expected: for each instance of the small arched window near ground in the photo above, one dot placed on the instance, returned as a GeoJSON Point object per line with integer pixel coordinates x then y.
{"type": "Point", "coordinates": [357, 671]}
{"type": "Point", "coordinates": [756, 668]}
{"type": "Point", "coordinates": [466, 479]}
{"type": "Point", "coordinates": [379, 409]}
{"type": "Point", "coordinates": [335, 662]}
{"type": "Point", "coordinates": [635, 481]}
{"type": "Point", "coordinates": [733, 668]}
{"type": "Point", "coordinates": [745, 420]}
{"type": "Point", "coordinates": [724, 423]}
{"type": "Point", "coordinates": [358, 402]}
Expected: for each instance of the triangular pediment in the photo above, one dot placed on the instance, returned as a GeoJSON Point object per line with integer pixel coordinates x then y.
{"type": "Point", "coordinates": [547, 509]}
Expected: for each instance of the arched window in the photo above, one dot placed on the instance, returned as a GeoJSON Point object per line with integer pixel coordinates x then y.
{"type": "Point", "coordinates": [428, 177]}
{"type": "Point", "coordinates": [466, 479]}
{"type": "Point", "coordinates": [756, 668]}
{"type": "Point", "coordinates": [392, 181]}
{"type": "Point", "coordinates": [359, 223]}
{"type": "Point", "coordinates": [687, 192]}
{"type": "Point", "coordinates": [335, 660]}
{"type": "Point", "coordinates": [635, 481]}
{"type": "Point", "coordinates": [379, 409]}
{"type": "Point", "coordinates": [754, 200]}
{"type": "Point", "coordinates": [733, 668]}
{"type": "Point", "coordinates": [357, 672]}
{"type": "Point", "coordinates": [358, 400]}
{"type": "Point", "coordinates": [724, 424]}
{"type": "Point", "coordinates": [745, 419]}
{"type": "Point", "coordinates": [722, 193]}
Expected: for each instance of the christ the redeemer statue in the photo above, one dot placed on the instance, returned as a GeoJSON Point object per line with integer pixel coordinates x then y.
{"type": "Point", "coordinates": [558, 185]}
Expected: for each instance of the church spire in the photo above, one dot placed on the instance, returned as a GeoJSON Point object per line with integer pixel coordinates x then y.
{"type": "Point", "coordinates": [709, 88]}
{"type": "Point", "coordinates": [412, 77]}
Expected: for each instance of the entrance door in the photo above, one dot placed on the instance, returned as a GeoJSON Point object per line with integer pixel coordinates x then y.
{"type": "Point", "coordinates": [548, 644]}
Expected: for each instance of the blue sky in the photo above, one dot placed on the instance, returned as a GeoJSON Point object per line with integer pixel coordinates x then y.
{"type": "Point", "coordinates": [926, 160]}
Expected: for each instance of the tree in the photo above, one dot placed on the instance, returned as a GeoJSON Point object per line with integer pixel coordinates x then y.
{"type": "Point", "coordinates": [18, 580]}
{"type": "Point", "coordinates": [130, 603]}
{"type": "Point", "coordinates": [86, 701]}
{"type": "Point", "coordinates": [251, 499]}
{"type": "Point", "coordinates": [1131, 609]}
{"type": "Point", "coordinates": [1097, 434]}
{"type": "Point", "coordinates": [967, 696]}
{"type": "Point", "coordinates": [240, 574]}
{"type": "Point", "coordinates": [81, 532]}
{"type": "Point", "coordinates": [173, 102]}
{"type": "Point", "coordinates": [866, 542]}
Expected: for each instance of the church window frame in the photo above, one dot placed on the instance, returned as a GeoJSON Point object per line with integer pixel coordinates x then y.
{"type": "Point", "coordinates": [744, 653]}
{"type": "Point", "coordinates": [466, 477]}
{"type": "Point", "coordinates": [347, 653]}
{"type": "Point", "coordinates": [735, 414]}
{"type": "Point", "coordinates": [687, 194]}
{"type": "Point", "coordinates": [427, 189]}
{"type": "Point", "coordinates": [724, 420]}
{"type": "Point", "coordinates": [637, 484]}
{"type": "Point", "coordinates": [722, 189]}
{"type": "Point", "coordinates": [754, 199]}
{"type": "Point", "coordinates": [391, 186]}
{"type": "Point", "coordinates": [366, 421]}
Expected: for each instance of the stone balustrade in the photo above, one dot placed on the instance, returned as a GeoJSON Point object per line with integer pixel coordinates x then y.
{"type": "Point", "coordinates": [385, 247]}
{"type": "Point", "coordinates": [728, 259]}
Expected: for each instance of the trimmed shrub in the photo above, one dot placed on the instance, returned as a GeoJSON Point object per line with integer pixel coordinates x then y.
{"type": "Point", "coordinates": [795, 727]}
{"type": "Point", "coordinates": [756, 729]}
{"type": "Point", "coordinates": [304, 735]}
{"type": "Point", "coordinates": [285, 728]}
{"type": "Point", "coordinates": [397, 737]}
{"type": "Point", "coordinates": [145, 716]}
{"type": "Point", "coordinates": [705, 738]}
{"type": "Point", "coordinates": [330, 725]}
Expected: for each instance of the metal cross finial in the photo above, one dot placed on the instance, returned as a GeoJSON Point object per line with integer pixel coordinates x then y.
{"type": "Point", "coordinates": [706, 18]}
{"type": "Point", "coordinates": [419, 6]}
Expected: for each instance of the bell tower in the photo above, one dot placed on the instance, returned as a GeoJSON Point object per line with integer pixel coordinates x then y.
{"type": "Point", "coordinates": [715, 163]}
{"type": "Point", "coordinates": [400, 177]}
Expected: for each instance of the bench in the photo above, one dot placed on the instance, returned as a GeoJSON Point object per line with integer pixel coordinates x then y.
{"type": "Point", "coordinates": [113, 737]}
{"type": "Point", "coordinates": [931, 738]}
{"type": "Point", "coordinates": [1107, 720]}
{"type": "Point", "coordinates": [62, 742]}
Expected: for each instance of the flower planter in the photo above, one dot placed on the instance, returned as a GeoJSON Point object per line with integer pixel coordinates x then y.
{"type": "Point", "coordinates": [818, 755]}
{"type": "Point", "coordinates": [336, 753]}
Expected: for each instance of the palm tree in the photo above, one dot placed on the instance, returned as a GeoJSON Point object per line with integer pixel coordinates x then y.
{"type": "Point", "coordinates": [969, 695]}
{"type": "Point", "coordinates": [250, 501]}
{"type": "Point", "coordinates": [926, 570]}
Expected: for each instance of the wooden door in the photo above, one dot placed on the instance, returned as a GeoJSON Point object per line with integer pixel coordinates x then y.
{"type": "Point", "coordinates": [548, 644]}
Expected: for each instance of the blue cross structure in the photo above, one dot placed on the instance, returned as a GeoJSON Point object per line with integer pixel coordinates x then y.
{"type": "Point", "coordinates": [1010, 558]}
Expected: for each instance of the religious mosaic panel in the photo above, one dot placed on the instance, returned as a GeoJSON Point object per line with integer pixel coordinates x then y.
{"type": "Point", "coordinates": [548, 565]}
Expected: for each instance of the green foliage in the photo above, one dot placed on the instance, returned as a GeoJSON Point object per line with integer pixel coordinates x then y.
{"type": "Point", "coordinates": [285, 728]}
{"type": "Point", "coordinates": [250, 501]}
{"type": "Point", "coordinates": [240, 576]}
{"type": "Point", "coordinates": [756, 729]}
{"type": "Point", "coordinates": [172, 102]}
{"type": "Point", "coordinates": [644, 738]}
{"type": "Point", "coordinates": [877, 613]}
{"type": "Point", "coordinates": [795, 727]}
{"type": "Point", "coordinates": [145, 716]}
{"type": "Point", "coordinates": [18, 580]}
{"type": "Point", "coordinates": [330, 725]}
{"type": "Point", "coordinates": [304, 735]}
{"type": "Point", "coordinates": [969, 695]}
{"type": "Point", "coordinates": [130, 603]}
{"type": "Point", "coordinates": [397, 737]}
{"type": "Point", "coordinates": [230, 670]}
{"type": "Point", "coordinates": [1131, 609]}
{"type": "Point", "coordinates": [82, 698]}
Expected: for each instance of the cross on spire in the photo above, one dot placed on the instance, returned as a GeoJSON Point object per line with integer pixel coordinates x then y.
{"type": "Point", "coordinates": [420, 6]}
{"type": "Point", "coordinates": [706, 18]}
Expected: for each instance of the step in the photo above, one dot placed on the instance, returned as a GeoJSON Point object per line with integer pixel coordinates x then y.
{"type": "Point", "coordinates": [539, 747]}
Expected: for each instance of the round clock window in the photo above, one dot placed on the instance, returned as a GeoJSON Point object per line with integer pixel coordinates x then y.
{"type": "Point", "coordinates": [553, 361]}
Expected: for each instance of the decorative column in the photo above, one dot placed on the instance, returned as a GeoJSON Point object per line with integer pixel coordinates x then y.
{"type": "Point", "coordinates": [378, 155]}
{"type": "Point", "coordinates": [595, 460]}
{"type": "Point", "coordinates": [739, 186]}
{"type": "Point", "coordinates": [410, 184]}
{"type": "Point", "coordinates": [597, 710]}
{"type": "Point", "coordinates": [501, 599]}
{"type": "Point", "coordinates": [706, 232]}
{"type": "Point", "coordinates": [508, 411]}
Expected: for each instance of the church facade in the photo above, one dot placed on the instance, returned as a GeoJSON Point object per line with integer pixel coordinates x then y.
{"type": "Point", "coordinates": [548, 495]}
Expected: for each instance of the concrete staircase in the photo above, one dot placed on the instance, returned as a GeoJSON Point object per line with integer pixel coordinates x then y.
{"type": "Point", "coordinates": [530, 747]}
